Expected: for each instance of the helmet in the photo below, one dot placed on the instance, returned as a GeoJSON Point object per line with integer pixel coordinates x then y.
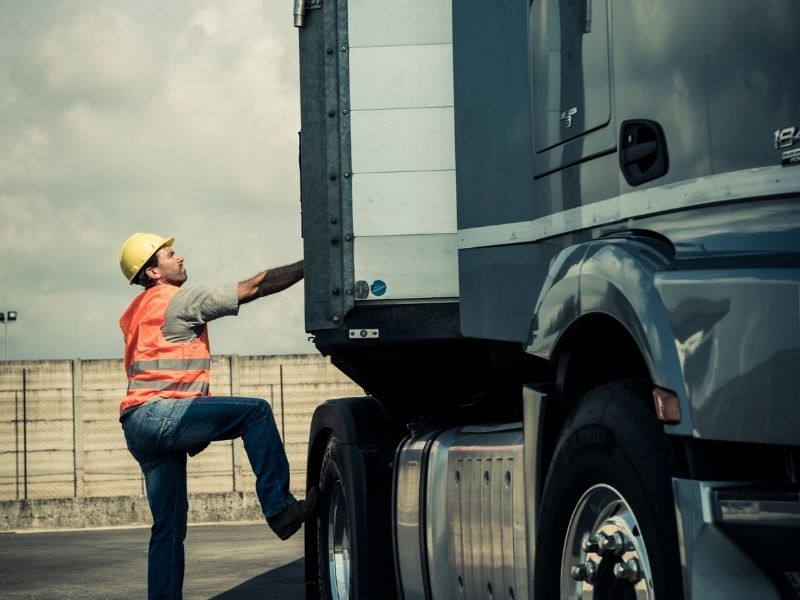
{"type": "Point", "coordinates": [137, 250]}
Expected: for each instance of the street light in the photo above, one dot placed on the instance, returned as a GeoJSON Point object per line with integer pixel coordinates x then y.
{"type": "Point", "coordinates": [5, 319]}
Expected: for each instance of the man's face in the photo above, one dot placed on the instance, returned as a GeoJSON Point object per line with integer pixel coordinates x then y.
{"type": "Point", "coordinates": [170, 267]}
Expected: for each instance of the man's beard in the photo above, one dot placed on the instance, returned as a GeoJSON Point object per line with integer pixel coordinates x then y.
{"type": "Point", "coordinates": [178, 278]}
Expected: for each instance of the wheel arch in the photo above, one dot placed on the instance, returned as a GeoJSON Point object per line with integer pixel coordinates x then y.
{"type": "Point", "coordinates": [601, 319]}
{"type": "Point", "coordinates": [611, 354]}
{"type": "Point", "coordinates": [601, 299]}
{"type": "Point", "coordinates": [359, 421]}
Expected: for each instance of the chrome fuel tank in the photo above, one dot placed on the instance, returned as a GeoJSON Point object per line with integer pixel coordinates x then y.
{"type": "Point", "coordinates": [460, 514]}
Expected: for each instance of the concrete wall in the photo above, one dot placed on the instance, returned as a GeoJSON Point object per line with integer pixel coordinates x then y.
{"type": "Point", "coordinates": [60, 436]}
{"type": "Point", "coordinates": [113, 511]}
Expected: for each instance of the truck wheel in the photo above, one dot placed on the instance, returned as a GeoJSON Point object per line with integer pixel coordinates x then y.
{"type": "Point", "coordinates": [607, 523]}
{"type": "Point", "coordinates": [333, 528]}
{"type": "Point", "coordinates": [349, 542]}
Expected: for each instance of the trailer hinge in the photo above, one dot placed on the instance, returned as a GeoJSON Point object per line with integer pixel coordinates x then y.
{"type": "Point", "coordinates": [300, 8]}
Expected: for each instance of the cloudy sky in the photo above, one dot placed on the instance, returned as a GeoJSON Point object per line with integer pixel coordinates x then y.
{"type": "Point", "coordinates": [178, 118]}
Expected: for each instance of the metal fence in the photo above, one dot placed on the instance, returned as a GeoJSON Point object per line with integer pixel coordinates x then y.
{"type": "Point", "coordinates": [60, 435]}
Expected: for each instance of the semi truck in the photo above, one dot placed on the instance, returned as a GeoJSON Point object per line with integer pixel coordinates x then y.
{"type": "Point", "coordinates": [557, 243]}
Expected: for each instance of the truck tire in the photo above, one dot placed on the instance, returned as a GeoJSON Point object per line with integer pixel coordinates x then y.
{"type": "Point", "coordinates": [334, 550]}
{"type": "Point", "coordinates": [353, 526]}
{"type": "Point", "coordinates": [607, 520]}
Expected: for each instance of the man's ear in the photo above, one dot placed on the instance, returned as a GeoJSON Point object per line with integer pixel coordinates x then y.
{"type": "Point", "coordinates": [153, 273]}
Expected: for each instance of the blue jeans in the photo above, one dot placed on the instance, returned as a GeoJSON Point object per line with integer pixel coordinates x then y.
{"type": "Point", "coordinates": [161, 432]}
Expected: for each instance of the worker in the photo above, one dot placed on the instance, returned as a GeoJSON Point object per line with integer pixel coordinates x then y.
{"type": "Point", "coordinates": [168, 411]}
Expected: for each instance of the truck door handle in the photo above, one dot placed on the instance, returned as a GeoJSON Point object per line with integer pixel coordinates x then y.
{"type": "Point", "coordinates": [638, 152]}
{"type": "Point", "coordinates": [642, 151]}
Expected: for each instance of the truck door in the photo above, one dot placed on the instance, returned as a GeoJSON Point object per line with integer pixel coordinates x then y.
{"type": "Point", "coordinates": [573, 131]}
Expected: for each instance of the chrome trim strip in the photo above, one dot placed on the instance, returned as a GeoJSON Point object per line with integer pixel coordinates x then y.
{"type": "Point", "coordinates": [774, 513]}
{"type": "Point", "coordinates": [533, 408]}
{"type": "Point", "coordinates": [714, 189]}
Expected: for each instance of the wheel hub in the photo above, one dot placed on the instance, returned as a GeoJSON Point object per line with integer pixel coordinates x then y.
{"type": "Point", "coordinates": [339, 545]}
{"type": "Point", "coordinates": [604, 555]}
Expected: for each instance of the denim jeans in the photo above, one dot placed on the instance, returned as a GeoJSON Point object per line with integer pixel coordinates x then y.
{"type": "Point", "coordinates": [161, 432]}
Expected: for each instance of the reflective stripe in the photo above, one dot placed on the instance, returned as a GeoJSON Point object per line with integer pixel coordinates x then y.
{"type": "Point", "coordinates": [170, 364]}
{"type": "Point", "coordinates": [171, 386]}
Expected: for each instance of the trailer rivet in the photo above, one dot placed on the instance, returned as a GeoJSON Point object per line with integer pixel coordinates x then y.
{"type": "Point", "coordinates": [336, 318]}
{"type": "Point", "coordinates": [349, 292]}
{"type": "Point", "coordinates": [330, 50]}
{"type": "Point", "coordinates": [333, 176]}
{"type": "Point", "coordinates": [334, 241]}
{"type": "Point", "coordinates": [344, 111]}
{"type": "Point", "coordinates": [346, 174]}
{"type": "Point", "coordinates": [348, 237]}
{"type": "Point", "coordinates": [335, 291]}
{"type": "Point", "coordinates": [331, 113]}
{"type": "Point", "coordinates": [344, 48]}
{"type": "Point", "coordinates": [334, 221]}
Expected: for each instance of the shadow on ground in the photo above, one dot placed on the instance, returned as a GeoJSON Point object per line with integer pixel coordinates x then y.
{"type": "Point", "coordinates": [275, 582]}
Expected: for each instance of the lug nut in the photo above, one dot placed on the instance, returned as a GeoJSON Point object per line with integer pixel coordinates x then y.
{"type": "Point", "coordinates": [630, 571]}
{"type": "Point", "coordinates": [604, 544]}
{"type": "Point", "coordinates": [584, 571]}
{"type": "Point", "coordinates": [611, 544]}
{"type": "Point", "coordinates": [591, 543]}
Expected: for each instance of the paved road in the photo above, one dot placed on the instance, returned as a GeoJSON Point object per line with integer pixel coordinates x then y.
{"type": "Point", "coordinates": [223, 562]}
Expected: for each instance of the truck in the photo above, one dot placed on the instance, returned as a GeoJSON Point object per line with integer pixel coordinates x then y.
{"type": "Point", "coordinates": [557, 243]}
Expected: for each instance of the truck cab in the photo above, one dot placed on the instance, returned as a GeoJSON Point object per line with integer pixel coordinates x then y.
{"type": "Point", "coordinates": [557, 242]}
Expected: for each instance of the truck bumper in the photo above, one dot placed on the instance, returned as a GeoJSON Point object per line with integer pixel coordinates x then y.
{"type": "Point", "coordinates": [737, 542]}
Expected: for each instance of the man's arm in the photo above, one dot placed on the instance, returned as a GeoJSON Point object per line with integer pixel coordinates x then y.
{"type": "Point", "coordinates": [270, 282]}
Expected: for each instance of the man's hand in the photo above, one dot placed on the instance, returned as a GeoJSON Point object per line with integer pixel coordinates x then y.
{"type": "Point", "coordinates": [270, 282]}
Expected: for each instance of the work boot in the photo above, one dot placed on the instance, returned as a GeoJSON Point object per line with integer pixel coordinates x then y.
{"type": "Point", "coordinates": [286, 523]}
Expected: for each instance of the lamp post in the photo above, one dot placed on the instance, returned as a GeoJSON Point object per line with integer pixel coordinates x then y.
{"type": "Point", "coordinates": [5, 319]}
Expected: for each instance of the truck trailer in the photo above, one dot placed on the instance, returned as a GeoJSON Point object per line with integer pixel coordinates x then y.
{"type": "Point", "coordinates": [557, 243]}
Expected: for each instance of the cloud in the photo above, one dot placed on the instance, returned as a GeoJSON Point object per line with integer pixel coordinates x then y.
{"type": "Point", "coordinates": [100, 56]}
{"type": "Point", "coordinates": [179, 119]}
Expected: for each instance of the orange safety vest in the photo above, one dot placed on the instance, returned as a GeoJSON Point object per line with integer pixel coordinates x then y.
{"type": "Point", "coordinates": [157, 367]}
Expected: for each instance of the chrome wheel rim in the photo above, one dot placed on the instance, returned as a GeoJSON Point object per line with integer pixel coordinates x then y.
{"type": "Point", "coordinates": [339, 545]}
{"type": "Point", "coordinates": [604, 554]}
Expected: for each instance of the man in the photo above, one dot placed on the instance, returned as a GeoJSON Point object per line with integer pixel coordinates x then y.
{"type": "Point", "coordinates": [168, 412]}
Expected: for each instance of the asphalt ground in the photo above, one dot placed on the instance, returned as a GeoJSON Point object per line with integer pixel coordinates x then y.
{"type": "Point", "coordinates": [223, 562]}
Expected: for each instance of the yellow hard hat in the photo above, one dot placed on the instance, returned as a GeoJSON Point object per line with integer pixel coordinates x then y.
{"type": "Point", "coordinates": [137, 250]}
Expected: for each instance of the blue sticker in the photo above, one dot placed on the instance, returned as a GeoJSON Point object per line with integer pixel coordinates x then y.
{"type": "Point", "coordinates": [378, 287]}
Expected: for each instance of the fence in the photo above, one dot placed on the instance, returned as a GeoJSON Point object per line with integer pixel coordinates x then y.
{"type": "Point", "coordinates": [60, 436]}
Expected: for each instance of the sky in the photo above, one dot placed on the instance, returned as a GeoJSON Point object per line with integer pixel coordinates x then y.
{"type": "Point", "coordinates": [179, 118]}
